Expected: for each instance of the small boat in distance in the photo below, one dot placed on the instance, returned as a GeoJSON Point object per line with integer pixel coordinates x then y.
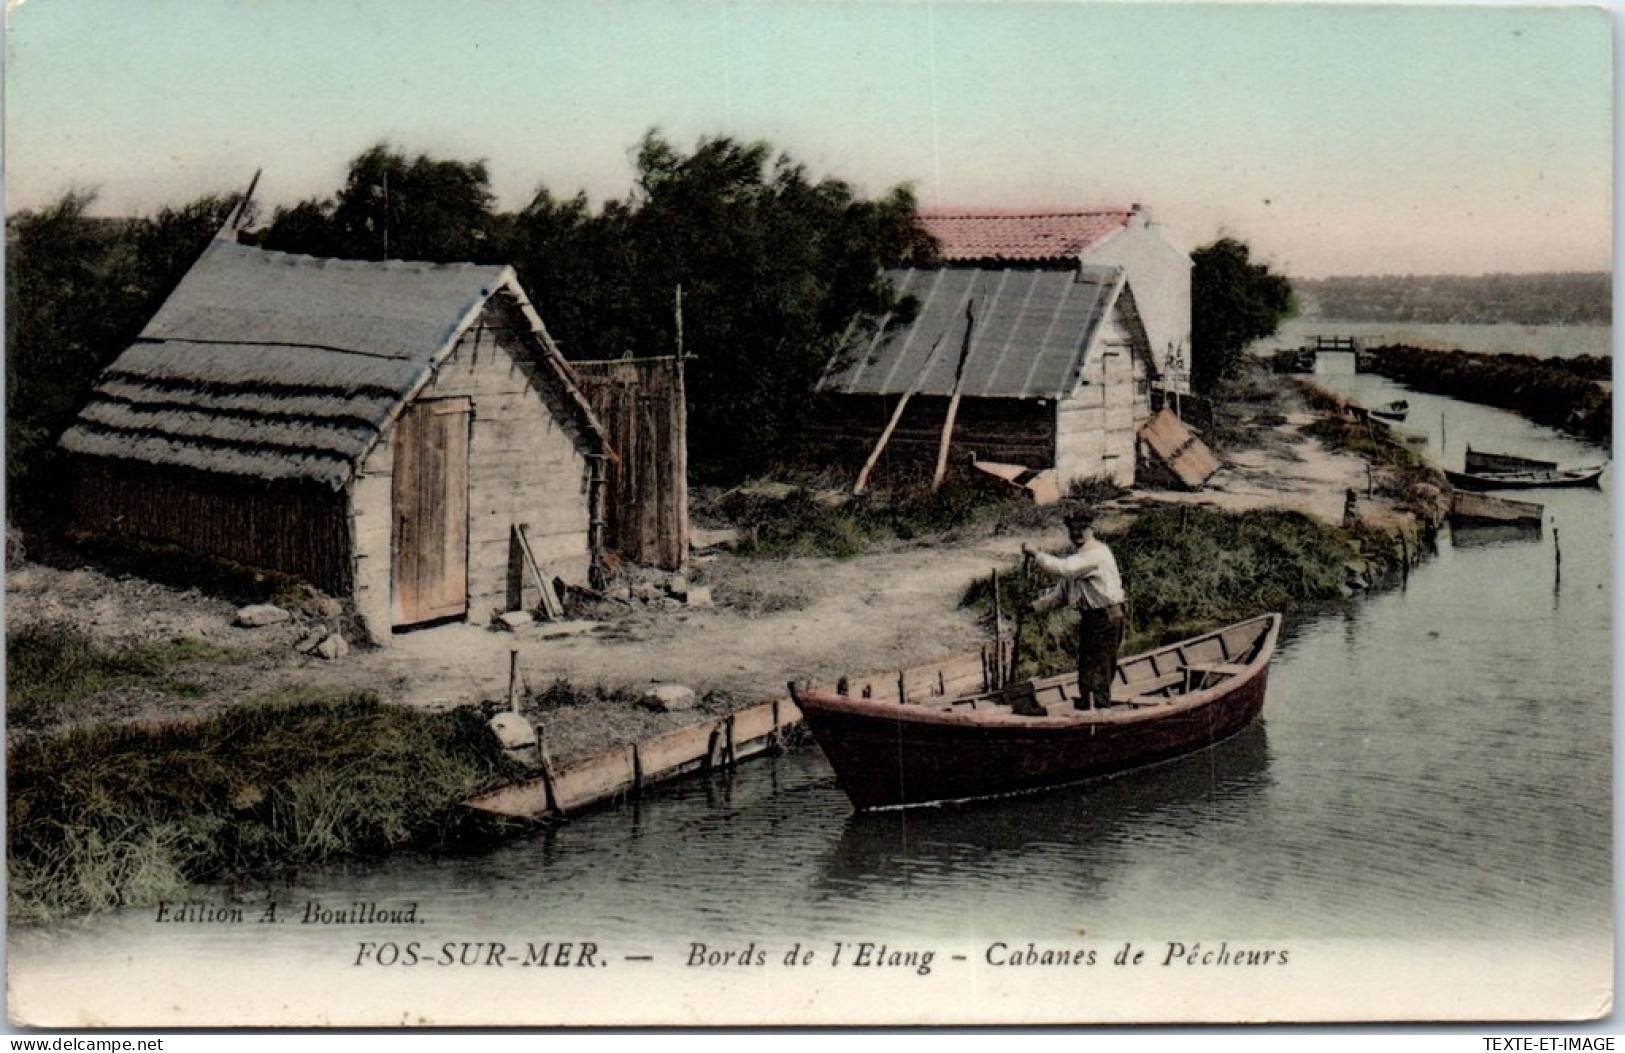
{"type": "Point", "coordinates": [1503, 471]}
{"type": "Point", "coordinates": [891, 752]}
{"type": "Point", "coordinates": [1396, 410]}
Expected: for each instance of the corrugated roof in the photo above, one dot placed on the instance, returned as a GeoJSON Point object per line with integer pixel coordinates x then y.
{"type": "Point", "coordinates": [1029, 334]}
{"type": "Point", "coordinates": [279, 366]}
{"type": "Point", "coordinates": [1026, 236]}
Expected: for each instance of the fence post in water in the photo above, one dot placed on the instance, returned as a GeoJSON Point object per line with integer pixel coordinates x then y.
{"type": "Point", "coordinates": [1441, 431]}
{"type": "Point", "coordinates": [1557, 548]}
{"type": "Point", "coordinates": [513, 679]}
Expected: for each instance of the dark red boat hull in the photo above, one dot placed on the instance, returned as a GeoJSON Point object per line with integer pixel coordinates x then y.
{"type": "Point", "coordinates": [890, 755]}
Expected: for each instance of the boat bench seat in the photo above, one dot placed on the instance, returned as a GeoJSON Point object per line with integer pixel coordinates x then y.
{"type": "Point", "coordinates": [1219, 668]}
{"type": "Point", "coordinates": [1135, 692]}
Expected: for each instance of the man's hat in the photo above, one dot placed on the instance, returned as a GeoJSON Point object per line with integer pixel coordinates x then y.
{"type": "Point", "coordinates": [1081, 518]}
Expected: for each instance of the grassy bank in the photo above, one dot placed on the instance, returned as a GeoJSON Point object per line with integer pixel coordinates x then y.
{"type": "Point", "coordinates": [801, 522]}
{"type": "Point", "coordinates": [1185, 570]}
{"type": "Point", "coordinates": [1559, 393]}
{"type": "Point", "coordinates": [50, 666]}
{"type": "Point", "coordinates": [120, 816]}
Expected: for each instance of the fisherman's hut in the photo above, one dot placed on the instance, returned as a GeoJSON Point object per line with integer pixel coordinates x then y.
{"type": "Point", "coordinates": [1029, 345]}
{"type": "Point", "coordinates": [402, 434]}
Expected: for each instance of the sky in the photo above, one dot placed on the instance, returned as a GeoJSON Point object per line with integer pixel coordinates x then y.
{"type": "Point", "coordinates": [1333, 139]}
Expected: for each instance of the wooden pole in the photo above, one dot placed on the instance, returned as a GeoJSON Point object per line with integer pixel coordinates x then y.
{"type": "Point", "coordinates": [998, 619]}
{"type": "Point", "coordinates": [953, 403]}
{"type": "Point", "coordinates": [891, 425]}
{"type": "Point", "coordinates": [513, 680]}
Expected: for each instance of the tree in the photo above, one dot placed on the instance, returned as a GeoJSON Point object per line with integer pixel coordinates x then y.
{"type": "Point", "coordinates": [1234, 301]}
{"type": "Point", "coordinates": [399, 209]}
{"type": "Point", "coordinates": [774, 269]}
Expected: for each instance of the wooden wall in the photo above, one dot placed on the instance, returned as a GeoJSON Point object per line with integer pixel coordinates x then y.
{"type": "Point", "coordinates": [527, 465]}
{"type": "Point", "coordinates": [297, 528]}
{"type": "Point", "coordinates": [640, 404]}
{"type": "Point", "coordinates": [1095, 427]}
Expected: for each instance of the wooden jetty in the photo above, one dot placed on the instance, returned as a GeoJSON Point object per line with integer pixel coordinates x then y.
{"type": "Point", "coordinates": [720, 743]}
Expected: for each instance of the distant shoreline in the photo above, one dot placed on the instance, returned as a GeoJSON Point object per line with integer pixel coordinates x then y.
{"type": "Point", "coordinates": [1494, 338]}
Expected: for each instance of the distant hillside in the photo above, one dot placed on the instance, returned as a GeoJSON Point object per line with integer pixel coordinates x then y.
{"type": "Point", "coordinates": [1525, 299]}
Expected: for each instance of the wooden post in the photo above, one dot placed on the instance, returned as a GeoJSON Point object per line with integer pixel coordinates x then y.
{"type": "Point", "coordinates": [1557, 549]}
{"type": "Point", "coordinates": [953, 402]}
{"type": "Point", "coordinates": [998, 617]}
{"type": "Point", "coordinates": [891, 425]}
{"type": "Point", "coordinates": [513, 680]}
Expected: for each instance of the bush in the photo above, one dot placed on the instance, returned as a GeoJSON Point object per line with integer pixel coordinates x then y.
{"type": "Point", "coordinates": [1185, 570]}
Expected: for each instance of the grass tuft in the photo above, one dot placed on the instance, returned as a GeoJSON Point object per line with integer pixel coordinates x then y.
{"type": "Point", "coordinates": [118, 816]}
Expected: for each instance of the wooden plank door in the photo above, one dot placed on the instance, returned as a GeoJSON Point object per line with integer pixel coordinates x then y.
{"type": "Point", "coordinates": [429, 563]}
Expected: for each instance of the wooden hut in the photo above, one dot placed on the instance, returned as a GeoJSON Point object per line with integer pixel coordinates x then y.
{"type": "Point", "coordinates": [402, 434]}
{"type": "Point", "coordinates": [1050, 368]}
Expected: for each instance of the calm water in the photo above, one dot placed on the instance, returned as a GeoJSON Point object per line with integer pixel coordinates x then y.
{"type": "Point", "coordinates": [1546, 341]}
{"type": "Point", "coordinates": [1434, 761]}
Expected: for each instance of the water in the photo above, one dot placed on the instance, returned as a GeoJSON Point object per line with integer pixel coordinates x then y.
{"type": "Point", "coordinates": [1434, 763]}
{"type": "Point", "coordinates": [1544, 341]}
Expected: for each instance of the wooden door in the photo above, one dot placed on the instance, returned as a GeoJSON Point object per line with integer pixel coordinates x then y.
{"type": "Point", "coordinates": [429, 563]}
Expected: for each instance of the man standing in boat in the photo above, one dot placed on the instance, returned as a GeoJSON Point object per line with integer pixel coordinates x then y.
{"type": "Point", "coordinates": [1087, 581]}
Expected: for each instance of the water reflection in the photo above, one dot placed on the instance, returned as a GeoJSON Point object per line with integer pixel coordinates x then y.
{"type": "Point", "coordinates": [1001, 837]}
{"type": "Point", "coordinates": [1494, 536]}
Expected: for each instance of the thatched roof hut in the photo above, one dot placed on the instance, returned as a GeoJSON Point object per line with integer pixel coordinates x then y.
{"type": "Point", "coordinates": [386, 431]}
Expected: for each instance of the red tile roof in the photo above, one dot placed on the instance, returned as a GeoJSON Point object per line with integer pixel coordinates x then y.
{"type": "Point", "coordinates": [1031, 235]}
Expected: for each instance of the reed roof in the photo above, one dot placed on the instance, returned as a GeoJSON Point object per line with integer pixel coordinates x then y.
{"type": "Point", "coordinates": [279, 366]}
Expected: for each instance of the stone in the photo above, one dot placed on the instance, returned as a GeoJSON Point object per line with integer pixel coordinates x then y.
{"type": "Point", "coordinates": [308, 642]}
{"type": "Point", "coordinates": [335, 646]}
{"type": "Point", "coordinates": [669, 698]}
{"type": "Point", "coordinates": [678, 586]}
{"type": "Point", "coordinates": [513, 731]}
{"type": "Point", "coordinates": [699, 596]}
{"type": "Point", "coordinates": [261, 614]}
{"type": "Point", "coordinates": [619, 594]}
{"type": "Point", "coordinates": [515, 620]}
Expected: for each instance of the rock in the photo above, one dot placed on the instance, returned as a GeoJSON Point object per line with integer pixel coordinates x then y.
{"type": "Point", "coordinates": [334, 646]}
{"type": "Point", "coordinates": [669, 698]}
{"type": "Point", "coordinates": [513, 731]}
{"type": "Point", "coordinates": [308, 642]}
{"type": "Point", "coordinates": [619, 594]}
{"type": "Point", "coordinates": [646, 591]}
{"type": "Point", "coordinates": [699, 596]}
{"type": "Point", "coordinates": [678, 586]}
{"type": "Point", "coordinates": [514, 620]}
{"type": "Point", "coordinates": [261, 614]}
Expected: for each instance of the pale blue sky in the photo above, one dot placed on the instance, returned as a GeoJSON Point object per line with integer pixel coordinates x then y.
{"type": "Point", "coordinates": [1335, 139]}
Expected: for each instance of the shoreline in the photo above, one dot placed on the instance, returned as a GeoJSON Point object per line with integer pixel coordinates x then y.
{"type": "Point", "coordinates": [609, 747]}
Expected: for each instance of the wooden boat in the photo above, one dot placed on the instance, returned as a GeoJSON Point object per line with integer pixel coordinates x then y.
{"type": "Point", "coordinates": [889, 752]}
{"type": "Point", "coordinates": [1393, 411]}
{"type": "Point", "coordinates": [1479, 462]}
{"type": "Point", "coordinates": [1537, 480]}
{"type": "Point", "coordinates": [1469, 507]}
{"type": "Point", "coordinates": [1503, 471]}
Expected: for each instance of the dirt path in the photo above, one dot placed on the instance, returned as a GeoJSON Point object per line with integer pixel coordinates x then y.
{"type": "Point", "coordinates": [774, 620]}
